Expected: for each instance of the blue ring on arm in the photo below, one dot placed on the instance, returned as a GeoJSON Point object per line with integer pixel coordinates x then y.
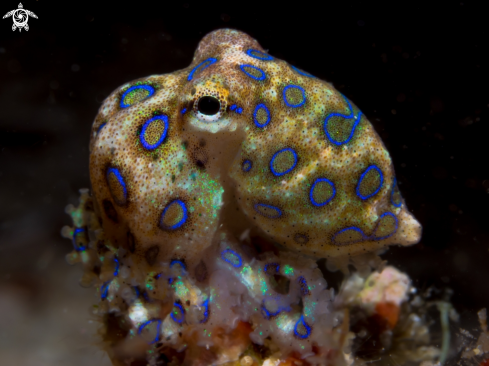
{"type": "Point", "coordinates": [142, 138]}
{"type": "Point", "coordinates": [279, 211]}
{"type": "Point", "coordinates": [100, 127]}
{"type": "Point", "coordinates": [259, 78]}
{"type": "Point", "coordinates": [77, 232]}
{"type": "Point", "coordinates": [363, 176]}
{"type": "Point", "coordinates": [257, 108]}
{"type": "Point", "coordinates": [259, 55]}
{"type": "Point", "coordinates": [205, 304]}
{"type": "Point", "coordinates": [394, 185]}
{"type": "Point", "coordinates": [311, 192]}
{"type": "Point", "coordinates": [158, 328]}
{"type": "Point", "coordinates": [247, 165]}
{"type": "Point", "coordinates": [224, 258]}
{"type": "Point", "coordinates": [305, 325]}
{"type": "Point", "coordinates": [104, 290]}
{"type": "Point", "coordinates": [182, 312]}
{"type": "Point", "coordinates": [120, 180]}
{"type": "Point", "coordinates": [182, 220]}
{"type": "Point", "coordinates": [295, 87]}
{"type": "Point", "coordinates": [148, 88]}
{"type": "Point", "coordinates": [274, 172]}
{"type": "Point", "coordinates": [117, 264]}
{"type": "Point", "coordinates": [210, 61]}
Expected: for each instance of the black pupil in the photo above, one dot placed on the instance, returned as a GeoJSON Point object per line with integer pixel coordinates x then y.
{"type": "Point", "coordinates": [209, 105]}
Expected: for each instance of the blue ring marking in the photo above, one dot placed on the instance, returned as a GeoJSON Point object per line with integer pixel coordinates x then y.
{"type": "Point", "coordinates": [210, 61]}
{"type": "Point", "coordinates": [387, 236]}
{"type": "Point", "coordinates": [275, 264]}
{"type": "Point", "coordinates": [148, 88]}
{"type": "Point", "coordinates": [305, 325]}
{"type": "Point", "coordinates": [182, 220]}
{"type": "Point", "coordinates": [145, 143]}
{"type": "Point", "coordinates": [277, 174]}
{"type": "Point", "coordinates": [363, 176]}
{"type": "Point", "coordinates": [100, 127]}
{"type": "Point", "coordinates": [117, 264]}
{"type": "Point", "coordinates": [260, 55]}
{"type": "Point", "coordinates": [239, 110]}
{"type": "Point", "coordinates": [205, 304]}
{"type": "Point", "coordinates": [120, 179]}
{"type": "Point", "coordinates": [303, 73]}
{"type": "Point", "coordinates": [183, 111]}
{"type": "Point", "coordinates": [233, 107]}
{"type": "Point", "coordinates": [257, 108]}
{"type": "Point", "coordinates": [176, 261]}
{"type": "Point", "coordinates": [303, 285]}
{"type": "Point", "coordinates": [182, 314]}
{"type": "Point", "coordinates": [158, 328]}
{"type": "Point", "coordinates": [259, 78]}
{"type": "Point", "coordinates": [279, 211]}
{"type": "Point", "coordinates": [295, 87]}
{"type": "Point", "coordinates": [364, 237]}
{"type": "Point", "coordinates": [78, 231]}
{"type": "Point", "coordinates": [394, 185]}
{"type": "Point", "coordinates": [267, 314]}
{"type": "Point", "coordinates": [247, 165]}
{"type": "Point", "coordinates": [233, 253]}
{"type": "Point", "coordinates": [158, 275]}
{"type": "Point", "coordinates": [104, 290]}
{"type": "Point", "coordinates": [357, 121]}
{"type": "Point", "coordinates": [311, 192]}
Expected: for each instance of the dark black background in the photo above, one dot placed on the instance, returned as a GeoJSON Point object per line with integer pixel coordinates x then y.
{"type": "Point", "coordinates": [418, 71]}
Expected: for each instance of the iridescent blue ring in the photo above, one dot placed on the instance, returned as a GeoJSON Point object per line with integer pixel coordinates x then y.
{"type": "Point", "coordinates": [258, 55]}
{"type": "Point", "coordinates": [79, 231]}
{"type": "Point", "coordinates": [182, 220]}
{"type": "Point", "coordinates": [278, 174]}
{"type": "Point", "coordinates": [224, 258]}
{"type": "Point", "coordinates": [394, 184]}
{"type": "Point", "coordinates": [303, 285]}
{"type": "Point", "coordinates": [354, 228]}
{"type": "Point", "coordinates": [305, 325]}
{"type": "Point", "coordinates": [350, 116]}
{"type": "Point", "coordinates": [182, 312]}
{"type": "Point", "coordinates": [122, 183]}
{"type": "Point", "coordinates": [275, 264]}
{"type": "Point", "coordinates": [259, 78]}
{"type": "Point", "coordinates": [209, 61]}
{"type": "Point", "coordinates": [303, 96]}
{"type": "Point", "coordinates": [279, 211]}
{"type": "Point", "coordinates": [148, 88]}
{"type": "Point", "coordinates": [176, 261]}
{"type": "Point", "coordinates": [387, 236]}
{"type": "Point", "coordinates": [205, 305]}
{"type": "Point", "coordinates": [100, 127]}
{"type": "Point", "coordinates": [117, 264]}
{"type": "Point", "coordinates": [311, 195]}
{"type": "Point", "coordinates": [247, 165]}
{"type": "Point", "coordinates": [104, 290]}
{"type": "Point", "coordinates": [158, 328]}
{"type": "Point", "coordinates": [257, 108]}
{"type": "Point", "coordinates": [142, 138]}
{"type": "Point", "coordinates": [363, 176]}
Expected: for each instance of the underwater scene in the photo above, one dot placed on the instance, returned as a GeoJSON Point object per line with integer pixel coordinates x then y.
{"type": "Point", "coordinates": [187, 184]}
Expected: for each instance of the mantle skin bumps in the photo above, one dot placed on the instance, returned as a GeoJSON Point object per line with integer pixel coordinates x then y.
{"type": "Point", "coordinates": [242, 140]}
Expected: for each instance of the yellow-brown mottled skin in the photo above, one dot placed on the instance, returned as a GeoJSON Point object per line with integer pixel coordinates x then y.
{"type": "Point", "coordinates": [200, 162]}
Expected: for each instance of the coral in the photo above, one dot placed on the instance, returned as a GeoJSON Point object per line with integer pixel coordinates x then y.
{"type": "Point", "coordinates": [215, 191]}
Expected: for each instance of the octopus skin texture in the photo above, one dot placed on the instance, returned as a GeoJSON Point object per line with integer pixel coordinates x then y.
{"type": "Point", "coordinates": [240, 140]}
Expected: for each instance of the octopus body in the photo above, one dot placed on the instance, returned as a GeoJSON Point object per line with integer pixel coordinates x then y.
{"type": "Point", "coordinates": [241, 139]}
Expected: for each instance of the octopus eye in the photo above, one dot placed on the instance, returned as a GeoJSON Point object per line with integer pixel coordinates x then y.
{"type": "Point", "coordinates": [208, 108]}
{"type": "Point", "coordinates": [209, 105]}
